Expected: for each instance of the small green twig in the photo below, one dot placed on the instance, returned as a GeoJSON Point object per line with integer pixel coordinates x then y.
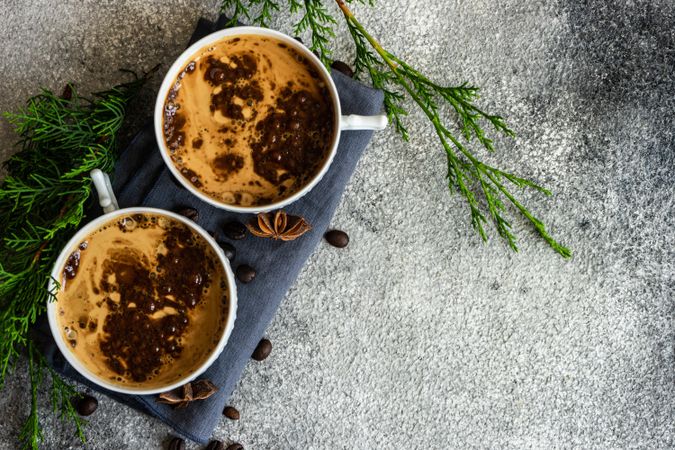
{"type": "Point", "coordinates": [464, 170]}
{"type": "Point", "coordinates": [317, 19]}
{"type": "Point", "coordinates": [31, 434]}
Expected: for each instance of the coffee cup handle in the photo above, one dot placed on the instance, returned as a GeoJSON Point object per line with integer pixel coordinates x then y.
{"type": "Point", "coordinates": [356, 122]}
{"type": "Point", "coordinates": [106, 196]}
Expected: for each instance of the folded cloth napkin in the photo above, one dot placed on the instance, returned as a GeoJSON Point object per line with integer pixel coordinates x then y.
{"type": "Point", "coordinates": [141, 178]}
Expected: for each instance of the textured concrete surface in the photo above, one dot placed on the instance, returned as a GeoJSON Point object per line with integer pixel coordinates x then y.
{"type": "Point", "coordinates": [418, 335]}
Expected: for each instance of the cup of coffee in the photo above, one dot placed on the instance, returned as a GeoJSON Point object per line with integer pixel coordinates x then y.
{"type": "Point", "coordinates": [249, 120]}
{"type": "Point", "coordinates": [144, 299]}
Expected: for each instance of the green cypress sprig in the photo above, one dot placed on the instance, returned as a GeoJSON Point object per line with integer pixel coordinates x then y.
{"type": "Point", "coordinates": [31, 433]}
{"type": "Point", "coordinates": [266, 10]}
{"type": "Point", "coordinates": [42, 202]}
{"type": "Point", "coordinates": [61, 395]}
{"type": "Point", "coordinates": [317, 19]}
{"type": "Point", "coordinates": [481, 185]}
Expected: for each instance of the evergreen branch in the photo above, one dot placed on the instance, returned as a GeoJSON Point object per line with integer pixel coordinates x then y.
{"type": "Point", "coordinates": [31, 434]}
{"type": "Point", "coordinates": [469, 176]}
{"type": "Point", "coordinates": [294, 6]}
{"type": "Point", "coordinates": [381, 79]}
{"type": "Point", "coordinates": [266, 9]}
{"type": "Point", "coordinates": [42, 202]}
{"type": "Point", "coordinates": [317, 20]}
{"type": "Point", "coordinates": [237, 10]}
{"type": "Point", "coordinates": [61, 395]}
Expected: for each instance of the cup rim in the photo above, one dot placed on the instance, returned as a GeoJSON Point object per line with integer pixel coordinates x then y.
{"type": "Point", "coordinates": [184, 58]}
{"type": "Point", "coordinates": [70, 356]}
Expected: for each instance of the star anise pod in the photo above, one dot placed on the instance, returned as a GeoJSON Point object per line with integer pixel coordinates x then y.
{"type": "Point", "coordinates": [189, 392]}
{"type": "Point", "coordinates": [278, 225]}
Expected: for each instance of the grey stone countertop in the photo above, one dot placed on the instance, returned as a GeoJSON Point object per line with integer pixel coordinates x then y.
{"type": "Point", "coordinates": [418, 335]}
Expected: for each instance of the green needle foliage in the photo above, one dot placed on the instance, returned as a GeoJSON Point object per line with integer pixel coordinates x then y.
{"type": "Point", "coordinates": [42, 202]}
{"type": "Point", "coordinates": [485, 188]}
{"type": "Point", "coordinates": [61, 396]}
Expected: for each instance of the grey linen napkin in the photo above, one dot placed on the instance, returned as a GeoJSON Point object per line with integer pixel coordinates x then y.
{"type": "Point", "coordinates": [142, 179]}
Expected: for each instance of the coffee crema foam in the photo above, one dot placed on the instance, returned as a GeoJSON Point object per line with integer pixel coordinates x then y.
{"type": "Point", "coordinates": [249, 121]}
{"type": "Point", "coordinates": [143, 301]}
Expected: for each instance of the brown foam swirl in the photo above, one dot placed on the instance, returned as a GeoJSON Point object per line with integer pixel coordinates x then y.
{"type": "Point", "coordinates": [145, 304]}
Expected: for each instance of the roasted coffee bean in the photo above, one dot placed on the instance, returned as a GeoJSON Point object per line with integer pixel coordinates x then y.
{"type": "Point", "coordinates": [86, 405]}
{"type": "Point", "coordinates": [231, 413]}
{"type": "Point", "coordinates": [263, 350]}
{"type": "Point", "coordinates": [228, 249]}
{"type": "Point", "coordinates": [177, 444]}
{"type": "Point", "coordinates": [215, 445]}
{"type": "Point", "coordinates": [67, 92]}
{"type": "Point", "coordinates": [298, 39]}
{"type": "Point", "coordinates": [245, 273]}
{"type": "Point", "coordinates": [235, 230]}
{"type": "Point", "coordinates": [343, 67]}
{"type": "Point", "coordinates": [337, 238]}
{"type": "Point", "coordinates": [190, 213]}
{"type": "Point", "coordinates": [235, 446]}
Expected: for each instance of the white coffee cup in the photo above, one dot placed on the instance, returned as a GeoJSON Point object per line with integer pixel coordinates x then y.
{"type": "Point", "coordinates": [341, 123]}
{"type": "Point", "coordinates": [111, 209]}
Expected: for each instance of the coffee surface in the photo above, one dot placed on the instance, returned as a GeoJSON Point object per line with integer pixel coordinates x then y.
{"type": "Point", "coordinates": [249, 121]}
{"type": "Point", "coordinates": [143, 301]}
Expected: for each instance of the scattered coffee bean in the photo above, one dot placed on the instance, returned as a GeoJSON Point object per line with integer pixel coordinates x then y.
{"type": "Point", "coordinates": [245, 273]}
{"type": "Point", "coordinates": [228, 249]}
{"type": "Point", "coordinates": [235, 446]}
{"type": "Point", "coordinates": [231, 413]}
{"type": "Point", "coordinates": [190, 213]}
{"type": "Point", "coordinates": [337, 238]}
{"type": "Point", "coordinates": [86, 405]}
{"type": "Point", "coordinates": [67, 92]}
{"type": "Point", "coordinates": [343, 67]}
{"type": "Point", "coordinates": [298, 39]}
{"type": "Point", "coordinates": [235, 230]}
{"type": "Point", "coordinates": [177, 444]}
{"type": "Point", "coordinates": [263, 350]}
{"type": "Point", "coordinates": [215, 445]}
